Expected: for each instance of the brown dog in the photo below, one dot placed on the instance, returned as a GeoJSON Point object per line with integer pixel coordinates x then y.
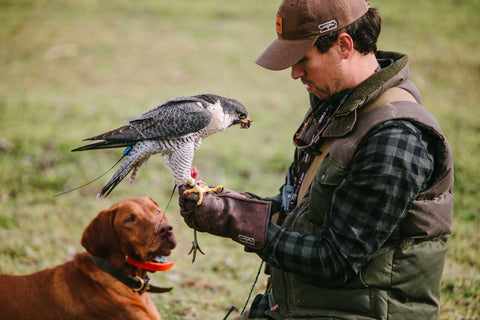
{"type": "Point", "coordinates": [99, 283]}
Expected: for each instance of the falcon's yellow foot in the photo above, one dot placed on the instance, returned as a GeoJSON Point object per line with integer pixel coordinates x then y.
{"type": "Point", "coordinates": [201, 190]}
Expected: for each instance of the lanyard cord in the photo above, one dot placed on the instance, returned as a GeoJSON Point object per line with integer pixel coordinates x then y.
{"type": "Point", "coordinates": [249, 294]}
{"type": "Point", "coordinates": [251, 289]}
{"type": "Point", "coordinates": [305, 156]}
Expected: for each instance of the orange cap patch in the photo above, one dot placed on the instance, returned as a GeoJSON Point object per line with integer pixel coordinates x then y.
{"type": "Point", "coordinates": [279, 25]}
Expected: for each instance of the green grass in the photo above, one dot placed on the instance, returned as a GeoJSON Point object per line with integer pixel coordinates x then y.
{"type": "Point", "coordinates": [72, 69]}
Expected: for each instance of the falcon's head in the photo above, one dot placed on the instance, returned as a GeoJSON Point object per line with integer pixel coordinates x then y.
{"type": "Point", "coordinates": [226, 112]}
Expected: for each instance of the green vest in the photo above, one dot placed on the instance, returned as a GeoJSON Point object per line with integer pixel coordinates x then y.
{"type": "Point", "coordinates": [402, 280]}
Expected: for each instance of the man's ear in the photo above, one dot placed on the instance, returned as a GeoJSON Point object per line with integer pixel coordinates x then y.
{"type": "Point", "coordinates": [345, 45]}
{"type": "Point", "coordinates": [100, 239]}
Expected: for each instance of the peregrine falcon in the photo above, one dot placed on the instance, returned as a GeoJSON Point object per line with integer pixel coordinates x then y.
{"type": "Point", "coordinates": [174, 129]}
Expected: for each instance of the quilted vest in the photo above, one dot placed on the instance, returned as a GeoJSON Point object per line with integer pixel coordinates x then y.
{"type": "Point", "coordinates": [402, 280]}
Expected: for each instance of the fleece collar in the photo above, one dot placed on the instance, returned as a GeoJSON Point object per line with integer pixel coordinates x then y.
{"type": "Point", "coordinates": [390, 76]}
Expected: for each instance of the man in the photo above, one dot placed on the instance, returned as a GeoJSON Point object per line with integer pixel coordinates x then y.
{"type": "Point", "coordinates": [365, 212]}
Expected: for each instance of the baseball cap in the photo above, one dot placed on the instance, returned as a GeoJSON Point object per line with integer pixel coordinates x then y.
{"type": "Point", "coordinates": [300, 22]}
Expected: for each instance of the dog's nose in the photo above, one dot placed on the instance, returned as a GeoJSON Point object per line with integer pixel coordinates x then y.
{"type": "Point", "coordinates": [165, 228]}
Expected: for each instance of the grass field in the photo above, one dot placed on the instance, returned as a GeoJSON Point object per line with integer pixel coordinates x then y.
{"type": "Point", "coordinates": [72, 69]}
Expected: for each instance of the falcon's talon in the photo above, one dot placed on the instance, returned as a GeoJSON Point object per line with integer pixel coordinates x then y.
{"type": "Point", "coordinates": [201, 191]}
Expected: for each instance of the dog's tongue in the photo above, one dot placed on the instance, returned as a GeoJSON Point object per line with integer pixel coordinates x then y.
{"type": "Point", "coordinates": [159, 264]}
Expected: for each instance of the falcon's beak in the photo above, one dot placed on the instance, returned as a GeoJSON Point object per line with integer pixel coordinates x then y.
{"type": "Point", "coordinates": [245, 123]}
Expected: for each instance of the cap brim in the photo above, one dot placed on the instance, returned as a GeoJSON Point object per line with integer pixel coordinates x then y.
{"type": "Point", "coordinates": [282, 54]}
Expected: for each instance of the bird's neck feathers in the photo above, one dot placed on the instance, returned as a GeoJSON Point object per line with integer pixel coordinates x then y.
{"type": "Point", "coordinates": [220, 120]}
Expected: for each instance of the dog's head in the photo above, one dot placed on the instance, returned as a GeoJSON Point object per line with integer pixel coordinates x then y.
{"type": "Point", "coordinates": [135, 227]}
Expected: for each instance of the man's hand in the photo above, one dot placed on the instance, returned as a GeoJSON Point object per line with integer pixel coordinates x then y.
{"type": "Point", "coordinates": [227, 214]}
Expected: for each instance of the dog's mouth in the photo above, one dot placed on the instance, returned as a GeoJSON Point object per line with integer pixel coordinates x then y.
{"type": "Point", "coordinates": [165, 247]}
{"type": "Point", "coordinates": [154, 255]}
{"type": "Point", "coordinates": [165, 250]}
{"type": "Point", "coordinates": [161, 244]}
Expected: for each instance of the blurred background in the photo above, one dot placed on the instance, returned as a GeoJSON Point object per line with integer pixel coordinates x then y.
{"type": "Point", "coordinates": [73, 69]}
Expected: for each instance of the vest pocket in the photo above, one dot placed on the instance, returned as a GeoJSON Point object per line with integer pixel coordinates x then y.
{"type": "Point", "coordinates": [328, 177]}
{"type": "Point", "coordinates": [330, 172]}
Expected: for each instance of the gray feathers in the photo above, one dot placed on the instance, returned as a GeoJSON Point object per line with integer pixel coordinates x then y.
{"type": "Point", "coordinates": [174, 129]}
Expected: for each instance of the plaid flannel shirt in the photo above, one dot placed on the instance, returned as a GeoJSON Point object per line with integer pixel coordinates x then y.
{"type": "Point", "coordinates": [390, 167]}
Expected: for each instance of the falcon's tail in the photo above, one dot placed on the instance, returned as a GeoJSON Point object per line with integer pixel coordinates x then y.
{"type": "Point", "coordinates": [104, 144]}
{"type": "Point", "coordinates": [120, 137]}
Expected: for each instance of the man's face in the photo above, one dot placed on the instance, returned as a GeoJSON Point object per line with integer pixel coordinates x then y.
{"type": "Point", "coordinates": [321, 73]}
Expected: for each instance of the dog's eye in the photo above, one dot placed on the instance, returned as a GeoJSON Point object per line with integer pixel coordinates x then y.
{"type": "Point", "coordinates": [131, 219]}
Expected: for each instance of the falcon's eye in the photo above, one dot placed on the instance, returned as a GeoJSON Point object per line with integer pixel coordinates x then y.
{"type": "Point", "coordinates": [242, 116]}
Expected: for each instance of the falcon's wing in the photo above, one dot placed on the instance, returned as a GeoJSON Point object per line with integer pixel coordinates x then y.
{"type": "Point", "coordinates": [172, 119]}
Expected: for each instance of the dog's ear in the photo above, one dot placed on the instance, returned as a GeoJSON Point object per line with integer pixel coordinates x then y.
{"type": "Point", "coordinates": [99, 238]}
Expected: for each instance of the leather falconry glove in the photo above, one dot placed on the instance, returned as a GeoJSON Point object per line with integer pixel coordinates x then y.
{"type": "Point", "coordinates": [228, 214]}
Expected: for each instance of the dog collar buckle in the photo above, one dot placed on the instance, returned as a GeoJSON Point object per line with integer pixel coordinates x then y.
{"type": "Point", "coordinates": [144, 285]}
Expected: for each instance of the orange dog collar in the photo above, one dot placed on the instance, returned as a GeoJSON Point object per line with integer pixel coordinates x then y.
{"type": "Point", "coordinates": [151, 265]}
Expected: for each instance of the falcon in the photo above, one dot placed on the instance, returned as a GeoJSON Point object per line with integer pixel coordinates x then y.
{"type": "Point", "coordinates": [174, 129]}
